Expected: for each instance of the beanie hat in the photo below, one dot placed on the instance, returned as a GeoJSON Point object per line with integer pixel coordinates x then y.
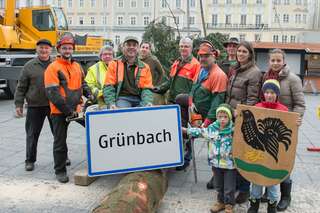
{"type": "Point", "coordinates": [225, 108]}
{"type": "Point", "coordinates": [273, 85]}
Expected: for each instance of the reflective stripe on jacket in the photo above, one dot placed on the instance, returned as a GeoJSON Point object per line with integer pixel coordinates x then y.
{"type": "Point", "coordinates": [95, 79]}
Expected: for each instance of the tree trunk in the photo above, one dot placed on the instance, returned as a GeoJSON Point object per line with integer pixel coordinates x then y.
{"type": "Point", "coordinates": [139, 192]}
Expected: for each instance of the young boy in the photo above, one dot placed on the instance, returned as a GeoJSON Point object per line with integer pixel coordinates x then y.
{"type": "Point", "coordinates": [271, 92]}
{"type": "Point", "coordinates": [219, 136]}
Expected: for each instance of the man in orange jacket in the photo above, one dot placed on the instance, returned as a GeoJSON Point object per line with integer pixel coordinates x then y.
{"type": "Point", "coordinates": [64, 83]}
{"type": "Point", "coordinates": [128, 81]}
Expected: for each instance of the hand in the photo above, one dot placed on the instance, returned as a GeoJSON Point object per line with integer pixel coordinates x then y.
{"type": "Point", "coordinates": [299, 121]}
{"type": "Point", "coordinates": [193, 108]}
{"type": "Point", "coordinates": [113, 106]}
{"type": "Point", "coordinates": [19, 111]}
{"type": "Point", "coordinates": [148, 104]}
{"type": "Point", "coordinates": [156, 89]}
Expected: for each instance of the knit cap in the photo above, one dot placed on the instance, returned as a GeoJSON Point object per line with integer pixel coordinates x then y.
{"type": "Point", "coordinates": [273, 85]}
{"type": "Point", "coordinates": [225, 108]}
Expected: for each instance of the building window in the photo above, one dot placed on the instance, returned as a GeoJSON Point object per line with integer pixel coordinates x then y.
{"type": "Point", "coordinates": [117, 39]}
{"type": "Point", "coordinates": [92, 20]}
{"type": "Point", "coordinates": [191, 20]}
{"type": "Point", "coordinates": [284, 39]}
{"type": "Point", "coordinates": [81, 20]}
{"type": "Point", "coordinates": [242, 37]}
{"type": "Point", "coordinates": [276, 18]}
{"type": "Point", "coordinates": [164, 3]}
{"type": "Point", "coordinates": [29, 3]}
{"type": "Point", "coordinates": [104, 20]}
{"type": "Point", "coordinates": [259, 1]}
{"type": "Point", "coordinates": [244, 2]}
{"type": "Point", "coordinates": [192, 3]}
{"type": "Point", "coordinates": [120, 20]}
{"type": "Point", "coordinates": [275, 38]}
{"type": "Point", "coordinates": [285, 18]}
{"type": "Point", "coordinates": [304, 19]}
{"type": "Point", "coordinates": [81, 3]}
{"type": "Point", "coordinates": [120, 3]}
{"type": "Point", "coordinates": [93, 3]}
{"type": "Point", "coordinates": [164, 19]}
{"type": "Point", "coordinates": [228, 1]}
{"type": "Point", "coordinates": [133, 3]}
{"type": "Point", "coordinates": [70, 3]}
{"type": "Point", "coordinates": [305, 2]}
{"type": "Point", "coordinates": [292, 39]}
{"type": "Point", "coordinates": [214, 19]}
{"type": "Point", "coordinates": [258, 20]}
{"type": "Point", "coordinates": [43, 2]}
{"type": "Point", "coordinates": [298, 2]}
{"type": "Point", "coordinates": [70, 20]}
{"type": "Point", "coordinates": [133, 20]}
{"type": "Point", "coordinates": [105, 3]}
{"type": "Point", "coordinates": [146, 3]}
{"type": "Point", "coordinates": [298, 18]}
{"type": "Point", "coordinates": [214, 1]}
{"type": "Point", "coordinates": [228, 19]}
{"type": "Point", "coordinates": [176, 19]}
{"type": "Point", "coordinates": [243, 19]}
{"type": "Point", "coordinates": [146, 20]}
{"type": "Point", "coordinates": [178, 3]}
{"type": "Point", "coordinates": [257, 37]}
{"type": "Point", "coordinates": [286, 2]}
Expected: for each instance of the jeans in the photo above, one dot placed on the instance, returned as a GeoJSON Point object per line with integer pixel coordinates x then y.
{"type": "Point", "coordinates": [128, 101]}
{"type": "Point", "coordinates": [256, 192]}
{"type": "Point", "coordinates": [225, 183]}
{"type": "Point", "coordinates": [34, 123]}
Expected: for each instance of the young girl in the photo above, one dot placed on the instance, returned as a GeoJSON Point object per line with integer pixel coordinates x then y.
{"type": "Point", "coordinates": [271, 92]}
{"type": "Point", "coordinates": [219, 135]}
{"type": "Point", "coordinates": [291, 95]}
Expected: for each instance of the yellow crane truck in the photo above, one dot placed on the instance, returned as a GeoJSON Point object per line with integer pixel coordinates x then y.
{"type": "Point", "coordinates": [21, 29]}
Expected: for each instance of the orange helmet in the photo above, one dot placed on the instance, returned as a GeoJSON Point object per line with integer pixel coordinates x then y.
{"type": "Point", "coordinates": [66, 39]}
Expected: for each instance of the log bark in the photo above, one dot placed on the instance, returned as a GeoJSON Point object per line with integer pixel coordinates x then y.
{"type": "Point", "coordinates": [139, 192]}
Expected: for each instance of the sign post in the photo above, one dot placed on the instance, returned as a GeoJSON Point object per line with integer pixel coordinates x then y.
{"type": "Point", "coordinates": [133, 139]}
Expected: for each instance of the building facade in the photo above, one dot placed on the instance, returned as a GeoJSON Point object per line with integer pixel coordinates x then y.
{"type": "Point", "coordinates": [282, 21]}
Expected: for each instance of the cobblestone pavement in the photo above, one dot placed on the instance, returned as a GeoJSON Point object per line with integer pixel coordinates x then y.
{"type": "Point", "coordinates": [38, 191]}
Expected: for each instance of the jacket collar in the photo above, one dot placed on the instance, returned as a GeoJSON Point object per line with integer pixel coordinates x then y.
{"type": "Point", "coordinates": [284, 72]}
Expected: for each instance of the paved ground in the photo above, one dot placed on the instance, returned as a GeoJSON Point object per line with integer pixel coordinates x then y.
{"type": "Point", "coordinates": [38, 191]}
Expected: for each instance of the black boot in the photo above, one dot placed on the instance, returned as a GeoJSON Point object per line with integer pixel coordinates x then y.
{"type": "Point", "coordinates": [285, 190]}
{"type": "Point", "coordinates": [242, 197]}
{"type": "Point", "coordinates": [272, 207]}
{"type": "Point", "coordinates": [264, 198]}
{"type": "Point", "coordinates": [254, 205]}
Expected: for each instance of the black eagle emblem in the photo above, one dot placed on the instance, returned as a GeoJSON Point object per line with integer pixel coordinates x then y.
{"type": "Point", "coordinates": [266, 135]}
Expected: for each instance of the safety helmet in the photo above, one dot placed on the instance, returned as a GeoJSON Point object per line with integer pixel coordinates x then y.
{"type": "Point", "coordinates": [66, 39]}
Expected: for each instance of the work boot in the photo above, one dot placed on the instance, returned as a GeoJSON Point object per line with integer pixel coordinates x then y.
{"type": "Point", "coordinates": [217, 207]}
{"type": "Point", "coordinates": [29, 166]}
{"type": "Point", "coordinates": [285, 190]}
{"type": "Point", "coordinates": [228, 208]}
{"type": "Point", "coordinates": [184, 166]}
{"type": "Point", "coordinates": [242, 197]}
{"type": "Point", "coordinates": [210, 184]}
{"type": "Point", "coordinates": [272, 207]}
{"type": "Point", "coordinates": [254, 205]}
{"type": "Point", "coordinates": [68, 162]}
{"type": "Point", "coordinates": [62, 177]}
{"type": "Point", "coordinates": [264, 198]}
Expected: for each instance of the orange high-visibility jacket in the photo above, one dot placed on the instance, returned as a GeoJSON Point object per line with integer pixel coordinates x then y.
{"type": "Point", "coordinates": [63, 81]}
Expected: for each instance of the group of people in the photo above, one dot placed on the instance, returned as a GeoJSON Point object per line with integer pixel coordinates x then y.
{"type": "Point", "coordinates": [203, 88]}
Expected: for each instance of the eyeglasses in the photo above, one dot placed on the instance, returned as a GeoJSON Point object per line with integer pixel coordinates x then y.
{"type": "Point", "coordinates": [67, 48]}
